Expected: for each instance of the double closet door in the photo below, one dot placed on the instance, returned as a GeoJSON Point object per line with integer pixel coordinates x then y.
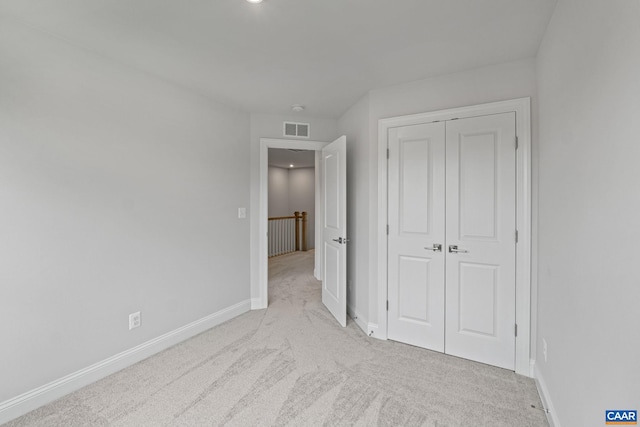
{"type": "Point", "coordinates": [452, 237]}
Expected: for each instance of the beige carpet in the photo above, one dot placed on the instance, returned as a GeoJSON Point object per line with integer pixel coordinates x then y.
{"type": "Point", "coordinates": [293, 365]}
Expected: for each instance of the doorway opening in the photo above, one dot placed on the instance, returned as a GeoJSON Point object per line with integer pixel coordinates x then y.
{"type": "Point", "coordinates": [291, 215]}
{"type": "Point", "coordinates": [284, 144]}
{"type": "Point", "coordinates": [330, 221]}
{"type": "Point", "coordinates": [291, 200]}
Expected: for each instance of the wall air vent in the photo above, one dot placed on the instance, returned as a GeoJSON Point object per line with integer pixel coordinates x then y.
{"type": "Point", "coordinates": [300, 130]}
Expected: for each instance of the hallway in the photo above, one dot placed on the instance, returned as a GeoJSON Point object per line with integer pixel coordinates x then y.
{"type": "Point", "coordinates": [291, 279]}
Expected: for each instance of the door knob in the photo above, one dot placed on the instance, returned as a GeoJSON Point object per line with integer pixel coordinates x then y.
{"type": "Point", "coordinates": [454, 250]}
{"type": "Point", "coordinates": [437, 247]}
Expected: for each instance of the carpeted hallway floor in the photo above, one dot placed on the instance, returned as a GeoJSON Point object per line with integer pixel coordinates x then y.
{"type": "Point", "coordinates": [292, 364]}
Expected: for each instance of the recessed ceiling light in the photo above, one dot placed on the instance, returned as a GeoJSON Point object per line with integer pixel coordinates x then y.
{"type": "Point", "coordinates": [290, 166]}
{"type": "Point", "coordinates": [254, 1]}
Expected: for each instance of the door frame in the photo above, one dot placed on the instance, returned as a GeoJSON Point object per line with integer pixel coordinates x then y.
{"type": "Point", "coordinates": [263, 241]}
{"type": "Point", "coordinates": [522, 108]}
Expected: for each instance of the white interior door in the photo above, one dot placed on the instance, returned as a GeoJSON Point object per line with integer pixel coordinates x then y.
{"type": "Point", "coordinates": [481, 227]}
{"type": "Point", "coordinates": [334, 226]}
{"type": "Point", "coordinates": [416, 235]}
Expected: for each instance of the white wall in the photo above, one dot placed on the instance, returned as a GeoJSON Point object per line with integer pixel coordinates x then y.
{"type": "Point", "coordinates": [270, 126]}
{"type": "Point", "coordinates": [355, 125]}
{"type": "Point", "coordinates": [278, 192]}
{"type": "Point", "coordinates": [119, 193]}
{"type": "Point", "coordinates": [589, 286]}
{"type": "Point", "coordinates": [488, 84]}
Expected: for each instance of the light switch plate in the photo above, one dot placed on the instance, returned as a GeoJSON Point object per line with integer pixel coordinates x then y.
{"type": "Point", "coordinates": [242, 212]}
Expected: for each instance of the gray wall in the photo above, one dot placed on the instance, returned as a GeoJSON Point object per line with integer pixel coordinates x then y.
{"type": "Point", "coordinates": [119, 193]}
{"type": "Point", "coordinates": [355, 125]}
{"type": "Point", "coordinates": [292, 190]}
{"type": "Point", "coordinates": [278, 192]}
{"type": "Point", "coordinates": [589, 285]}
{"type": "Point", "coordinates": [302, 198]}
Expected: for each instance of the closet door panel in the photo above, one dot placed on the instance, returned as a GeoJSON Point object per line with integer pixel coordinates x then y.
{"type": "Point", "coordinates": [481, 233]}
{"type": "Point", "coordinates": [416, 224]}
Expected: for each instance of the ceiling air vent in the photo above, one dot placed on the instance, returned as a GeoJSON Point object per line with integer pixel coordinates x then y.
{"type": "Point", "coordinates": [301, 130]}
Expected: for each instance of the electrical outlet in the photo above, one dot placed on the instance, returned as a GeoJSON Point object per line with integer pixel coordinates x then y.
{"type": "Point", "coordinates": [544, 349]}
{"type": "Point", "coordinates": [134, 320]}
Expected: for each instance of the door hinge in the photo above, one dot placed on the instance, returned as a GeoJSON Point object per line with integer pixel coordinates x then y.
{"type": "Point", "coordinates": [517, 143]}
{"type": "Point", "coordinates": [387, 229]}
{"type": "Point", "coordinates": [516, 236]}
{"type": "Point", "coordinates": [387, 153]}
{"type": "Point", "coordinates": [387, 305]}
{"type": "Point", "coordinates": [516, 329]}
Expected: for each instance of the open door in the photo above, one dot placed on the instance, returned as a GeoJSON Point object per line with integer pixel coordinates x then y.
{"type": "Point", "coordinates": [334, 226]}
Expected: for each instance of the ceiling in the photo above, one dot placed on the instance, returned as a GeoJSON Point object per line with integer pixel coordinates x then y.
{"type": "Point", "coordinates": [325, 54]}
{"type": "Point", "coordinates": [284, 158]}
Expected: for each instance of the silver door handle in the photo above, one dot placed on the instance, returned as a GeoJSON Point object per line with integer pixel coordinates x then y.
{"type": "Point", "coordinates": [339, 240]}
{"type": "Point", "coordinates": [454, 250]}
{"type": "Point", "coordinates": [437, 247]}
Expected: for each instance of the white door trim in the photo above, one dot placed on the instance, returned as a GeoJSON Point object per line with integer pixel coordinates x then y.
{"type": "Point", "coordinates": [522, 107]}
{"type": "Point", "coordinates": [263, 261]}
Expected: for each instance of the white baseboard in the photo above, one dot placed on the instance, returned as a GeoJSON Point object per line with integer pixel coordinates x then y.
{"type": "Point", "coordinates": [532, 368]}
{"type": "Point", "coordinates": [368, 328]}
{"type": "Point", "coordinates": [257, 304]}
{"type": "Point", "coordinates": [552, 416]}
{"type": "Point", "coordinates": [357, 317]}
{"type": "Point", "coordinates": [373, 331]}
{"type": "Point", "coordinates": [26, 402]}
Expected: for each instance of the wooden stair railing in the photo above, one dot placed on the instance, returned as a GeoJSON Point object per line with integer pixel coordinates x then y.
{"type": "Point", "coordinates": [287, 234]}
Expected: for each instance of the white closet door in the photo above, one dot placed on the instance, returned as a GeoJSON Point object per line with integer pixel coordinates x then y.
{"type": "Point", "coordinates": [481, 213]}
{"type": "Point", "coordinates": [416, 223]}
